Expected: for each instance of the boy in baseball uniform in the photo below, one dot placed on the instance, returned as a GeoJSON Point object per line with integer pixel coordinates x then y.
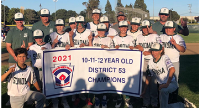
{"type": "Point", "coordinates": [143, 43]}
{"type": "Point", "coordinates": [134, 31]}
{"type": "Point", "coordinates": [19, 77]}
{"type": "Point", "coordinates": [60, 38]}
{"type": "Point", "coordinates": [162, 68]}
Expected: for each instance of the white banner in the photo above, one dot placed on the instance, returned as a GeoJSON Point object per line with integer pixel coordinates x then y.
{"type": "Point", "coordinates": [92, 70]}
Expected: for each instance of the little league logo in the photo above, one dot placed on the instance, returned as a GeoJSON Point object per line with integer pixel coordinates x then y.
{"type": "Point", "coordinates": [62, 75]}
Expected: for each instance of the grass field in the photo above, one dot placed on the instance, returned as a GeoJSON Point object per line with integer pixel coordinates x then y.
{"type": "Point", "coordinates": [188, 80]}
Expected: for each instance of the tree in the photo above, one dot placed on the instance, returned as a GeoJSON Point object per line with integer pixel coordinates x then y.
{"type": "Point", "coordinates": [60, 14]}
{"type": "Point", "coordinates": [11, 14]}
{"type": "Point", "coordinates": [83, 13]}
{"type": "Point", "coordinates": [109, 13]}
{"type": "Point", "coordinates": [71, 13]}
{"type": "Point", "coordinates": [30, 16]}
{"type": "Point", "coordinates": [119, 4]}
{"type": "Point", "coordinates": [141, 5]}
{"type": "Point", "coordinates": [90, 6]}
{"type": "Point", "coordinates": [174, 16]}
{"type": "Point", "coordinates": [6, 13]}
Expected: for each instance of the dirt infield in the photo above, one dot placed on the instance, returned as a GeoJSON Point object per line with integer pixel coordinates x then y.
{"type": "Point", "coordinates": [192, 49]}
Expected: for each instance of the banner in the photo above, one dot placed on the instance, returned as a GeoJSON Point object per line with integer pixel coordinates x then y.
{"type": "Point", "coordinates": [92, 70]}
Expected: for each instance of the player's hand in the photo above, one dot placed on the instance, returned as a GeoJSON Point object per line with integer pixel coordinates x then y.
{"type": "Point", "coordinates": [56, 40]}
{"type": "Point", "coordinates": [90, 38]}
{"type": "Point", "coordinates": [12, 69]}
{"type": "Point", "coordinates": [163, 86]}
{"type": "Point", "coordinates": [150, 30]}
{"type": "Point", "coordinates": [131, 47]}
{"type": "Point", "coordinates": [173, 41]}
{"type": "Point", "coordinates": [71, 33]}
{"type": "Point", "coordinates": [43, 48]}
{"type": "Point", "coordinates": [82, 45]}
{"type": "Point", "coordinates": [104, 46]}
{"type": "Point", "coordinates": [139, 48]}
{"type": "Point", "coordinates": [117, 46]}
{"type": "Point", "coordinates": [183, 23]}
{"type": "Point", "coordinates": [15, 58]}
{"type": "Point", "coordinates": [23, 45]}
{"type": "Point", "coordinates": [146, 53]}
{"type": "Point", "coordinates": [67, 47]}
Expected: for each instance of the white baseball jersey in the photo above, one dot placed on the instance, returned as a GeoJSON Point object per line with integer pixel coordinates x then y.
{"type": "Point", "coordinates": [123, 42]}
{"type": "Point", "coordinates": [169, 48]}
{"type": "Point", "coordinates": [35, 53]}
{"type": "Point", "coordinates": [160, 69]}
{"type": "Point", "coordinates": [18, 80]}
{"type": "Point", "coordinates": [80, 38]}
{"type": "Point", "coordinates": [134, 35]}
{"type": "Point", "coordinates": [97, 42]}
{"type": "Point", "coordinates": [92, 27]}
{"type": "Point", "coordinates": [146, 42]}
{"type": "Point", "coordinates": [62, 38]}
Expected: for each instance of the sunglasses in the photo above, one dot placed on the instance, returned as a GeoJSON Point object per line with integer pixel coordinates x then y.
{"type": "Point", "coordinates": [164, 14]}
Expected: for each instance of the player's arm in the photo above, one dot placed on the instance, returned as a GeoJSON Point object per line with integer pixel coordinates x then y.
{"type": "Point", "coordinates": [90, 38]}
{"type": "Point", "coordinates": [139, 47]}
{"type": "Point", "coordinates": [178, 47]}
{"type": "Point", "coordinates": [71, 40]}
{"type": "Point", "coordinates": [55, 41]}
{"type": "Point", "coordinates": [5, 75]}
{"type": "Point", "coordinates": [37, 86]}
{"type": "Point", "coordinates": [148, 78]}
{"type": "Point", "coordinates": [29, 44]}
{"type": "Point", "coordinates": [184, 31]}
{"type": "Point", "coordinates": [10, 50]}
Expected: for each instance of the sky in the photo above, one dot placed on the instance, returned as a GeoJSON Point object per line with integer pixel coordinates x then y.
{"type": "Point", "coordinates": [181, 6]}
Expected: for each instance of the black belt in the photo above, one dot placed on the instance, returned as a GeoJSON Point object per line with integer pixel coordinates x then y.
{"type": "Point", "coordinates": [39, 69]}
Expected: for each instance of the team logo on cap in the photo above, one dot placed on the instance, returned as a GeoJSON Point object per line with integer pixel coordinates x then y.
{"type": "Point", "coordinates": [136, 19]}
{"type": "Point", "coordinates": [164, 10]}
{"type": "Point", "coordinates": [44, 11]}
{"type": "Point", "coordinates": [168, 23]}
{"type": "Point", "coordinates": [154, 45]}
{"type": "Point", "coordinates": [62, 75]}
{"type": "Point", "coordinates": [144, 22]}
{"type": "Point", "coordinates": [72, 19]}
{"type": "Point", "coordinates": [18, 14]}
{"type": "Point", "coordinates": [123, 22]}
{"type": "Point", "coordinates": [59, 21]}
{"type": "Point", "coordinates": [37, 33]}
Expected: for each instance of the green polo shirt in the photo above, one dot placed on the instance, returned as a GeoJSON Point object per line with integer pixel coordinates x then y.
{"type": "Point", "coordinates": [16, 38]}
{"type": "Point", "coordinates": [46, 29]}
{"type": "Point", "coordinates": [159, 28]}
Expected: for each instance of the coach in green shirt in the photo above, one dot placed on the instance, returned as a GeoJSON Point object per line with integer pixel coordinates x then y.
{"type": "Point", "coordinates": [18, 37]}
{"type": "Point", "coordinates": [45, 25]}
{"type": "Point", "coordinates": [159, 26]}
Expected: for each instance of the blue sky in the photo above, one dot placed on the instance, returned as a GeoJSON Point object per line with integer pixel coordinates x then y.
{"type": "Point", "coordinates": [181, 6]}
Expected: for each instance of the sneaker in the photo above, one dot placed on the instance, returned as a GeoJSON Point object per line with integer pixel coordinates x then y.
{"type": "Point", "coordinates": [73, 98]}
{"type": "Point", "coordinates": [127, 101]}
{"type": "Point", "coordinates": [118, 103]}
{"type": "Point", "coordinates": [188, 104]}
{"type": "Point", "coordinates": [82, 96]}
{"type": "Point", "coordinates": [88, 102]}
{"type": "Point", "coordinates": [104, 103]}
{"type": "Point", "coordinates": [97, 102]}
{"type": "Point", "coordinates": [65, 105]}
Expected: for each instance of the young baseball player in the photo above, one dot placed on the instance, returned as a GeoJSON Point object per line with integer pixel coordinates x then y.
{"type": "Point", "coordinates": [143, 43]}
{"type": "Point", "coordinates": [96, 14]}
{"type": "Point", "coordinates": [134, 31]}
{"type": "Point", "coordinates": [82, 36]}
{"type": "Point", "coordinates": [173, 44]}
{"type": "Point", "coordinates": [110, 32]}
{"type": "Point", "coordinates": [162, 68]}
{"type": "Point", "coordinates": [72, 25]}
{"type": "Point", "coordinates": [19, 77]}
{"type": "Point", "coordinates": [122, 40]}
{"type": "Point", "coordinates": [61, 38]}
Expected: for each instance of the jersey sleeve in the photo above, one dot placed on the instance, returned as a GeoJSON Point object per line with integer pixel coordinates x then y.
{"type": "Point", "coordinates": [32, 79]}
{"type": "Point", "coordinates": [8, 77]}
{"type": "Point", "coordinates": [181, 42]}
{"type": "Point", "coordinates": [168, 62]}
{"type": "Point", "coordinates": [88, 26]}
{"type": "Point", "coordinates": [9, 37]}
{"type": "Point", "coordinates": [29, 53]}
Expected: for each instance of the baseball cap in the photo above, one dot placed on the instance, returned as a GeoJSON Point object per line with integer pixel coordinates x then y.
{"type": "Point", "coordinates": [72, 20]}
{"type": "Point", "coordinates": [169, 24]}
{"type": "Point", "coordinates": [38, 33]}
{"type": "Point", "coordinates": [19, 17]}
{"type": "Point", "coordinates": [123, 24]}
{"type": "Point", "coordinates": [79, 19]}
{"type": "Point", "coordinates": [156, 47]}
{"type": "Point", "coordinates": [120, 13]}
{"type": "Point", "coordinates": [164, 11]}
{"type": "Point", "coordinates": [101, 27]}
{"type": "Point", "coordinates": [45, 13]}
{"type": "Point", "coordinates": [59, 22]}
{"type": "Point", "coordinates": [146, 23]}
{"type": "Point", "coordinates": [135, 20]}
{"type": "Point", "coordinates": [96, 11]}
{"type": "Point", "coordinates": [104, 19]}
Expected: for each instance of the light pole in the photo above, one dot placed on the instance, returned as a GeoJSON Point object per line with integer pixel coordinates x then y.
{"type": "Point", "coordinates": [170, 12]}
{"type": "Point", "coordinates": [55, 7]}
{"type": "Point", "coordinates": [190, 5]}
{"type": "Point", "coordinates": [40, 6]}
{"type": "Point", "coordinates": [153, 9]}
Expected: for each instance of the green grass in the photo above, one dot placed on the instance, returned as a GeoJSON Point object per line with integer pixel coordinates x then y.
{"type": "Point", "coordinates": [188, 82]}
{"type": "Point", "coordinates": [192, 38]}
